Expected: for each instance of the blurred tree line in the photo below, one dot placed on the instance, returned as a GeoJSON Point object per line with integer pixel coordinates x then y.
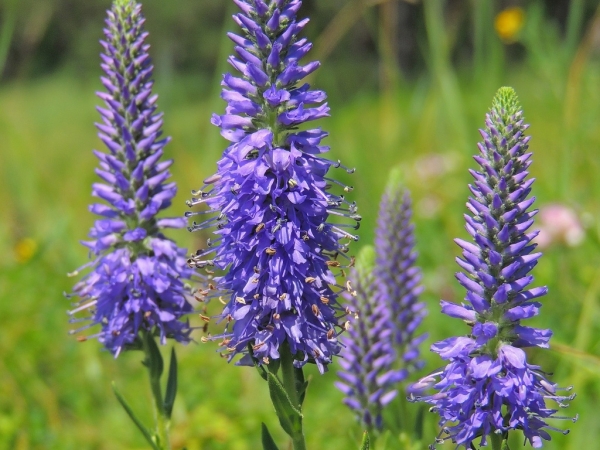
{"type": "Point", "coordinates": [40, 36]}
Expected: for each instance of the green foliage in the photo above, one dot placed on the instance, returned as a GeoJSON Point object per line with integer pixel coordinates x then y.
{"type": "Point", "coordinates": [267, 440]}
{"type": "Point", "coordinates": [290, 417]}
{"type": "Point", "coordinates": [153, 361]}
{"type": "Point", "coordinates": [365, 261]}
{"type": "Point", "coordinates": [171, 390]}
{"type": "Point", "coordinates": [138, 423]}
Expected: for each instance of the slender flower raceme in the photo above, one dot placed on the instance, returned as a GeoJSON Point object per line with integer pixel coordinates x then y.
{"type": "Point", "coordinates": [136, 279]}
{"type": "Point", "coordinates": [488, 387]}
{"type": "Point", "coordinates": [271, 197]}
{"type": "Point", "coordinates": [380, 349]}
{"type": "Point", "coordinates": [397, 277]}
{"type": "Point", "coordinates": [368, 379]}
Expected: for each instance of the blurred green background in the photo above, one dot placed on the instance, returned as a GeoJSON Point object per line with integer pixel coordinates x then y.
{"type": "Point", "coordinates": [409, 85]}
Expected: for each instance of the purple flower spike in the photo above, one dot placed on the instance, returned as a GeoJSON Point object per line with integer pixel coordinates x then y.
{"type": "Point", "coordinates": [136, 281]}
{"type": "Point", "coordinates": [488, 388]}
{"type": "Point", "coordinates": [381, 348]}
{"type": "Point", "coordinates": [368, 378]}
{"type": "Point", "coordinates": [397, 276]}
{"type": "Point", "coordinates": [271, 195]}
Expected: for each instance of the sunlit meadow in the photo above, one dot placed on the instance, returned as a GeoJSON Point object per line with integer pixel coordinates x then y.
{"type": "Point", "coordinates": [55, 392]}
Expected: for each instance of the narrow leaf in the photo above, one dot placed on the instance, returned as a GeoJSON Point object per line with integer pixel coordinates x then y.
{"type": "Point", "coordinates": [303, 394]}
{"type": "Point", "coordinates": [134, 418]}
{"type": "Point", "coordinates": [274, 365]}
{"type": "Point", "coordinates": [366, 443]}
{"type": "Point", "coordinates": [301, 385]}
{"type": "Point", "coordinates": [155, 364]}
{"type": "Point", "coordinates": [171, 390]}
{"type": "Point", "coordinates": [267, 440]}
{"type": "Point", "coordinates": [289, 417]}
{"type": "Point", "coordinates": [261, 371]}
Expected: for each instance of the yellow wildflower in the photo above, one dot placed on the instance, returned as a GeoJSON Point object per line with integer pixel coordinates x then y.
{"type": "Point", "coordinates": [25, 249]}
{"type": "Point", "coordinates": [509, 22]}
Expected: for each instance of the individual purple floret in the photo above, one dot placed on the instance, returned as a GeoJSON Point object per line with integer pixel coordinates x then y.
{"type": "Point", "coordinates": [397, 277]}
{"type": "Point", "coordinates": [271, 195]}
{"type": "Point", "coordinates": [488, 387]}
{"type": "Point", "coordinates": [368, 380]}
{"type": "Point", "coordinates": [136, 278]}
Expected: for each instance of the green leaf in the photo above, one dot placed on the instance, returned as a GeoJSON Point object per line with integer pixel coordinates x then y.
{"type": "Point", "coordinates": [274, 365]}
{"type": "Point", "coordinates": [134, 418]}
{"type": "Point", "coordinates": [366, 443]}
{"type": "Point", "coordinates": [302, 393]}
{"type": "Point", "coordinates": [171, 390]}
{"type": "Point", "coordinates": [267, 440]}
{"type": "Point", "coordinates": [154, 361]}
{"type": "Point", "coordinates": [290, 418]}
{"type": "Point", "coordinates": [301, 385]}
{"type": "Point", "coordinates": [261, 371]}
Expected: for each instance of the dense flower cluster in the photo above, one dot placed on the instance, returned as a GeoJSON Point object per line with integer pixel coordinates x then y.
{"type": "Point", "coordinates": [136, 277]}
{"type": "Point", "coordinates": [488, 386]}
{"type": "Point", "coordinates": [271, 195]}
{"type": "Point", "coordinates": [397, 277]}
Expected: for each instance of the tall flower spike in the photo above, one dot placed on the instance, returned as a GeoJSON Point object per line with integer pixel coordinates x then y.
{"type": "Point", "coordinates": [381, 348]}
{"type": "Point", "coordinates": [136, 278]}
{"type": "Point", "coordinates": [488, 388]}
{"type": "Point", "coordinates": [368, 356]}
{"type": "Point", "coordinates": [396, 275]}
{"type": "Point", "coordinates": [271, 195]}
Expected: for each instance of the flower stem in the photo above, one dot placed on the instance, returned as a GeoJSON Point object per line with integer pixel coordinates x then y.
{"type": "Point", "coordinates": [290, 384]}
{"type": "Point", "coordinates": [298, 442]}
{"type": "Point", "coordinates": [289, 377]}
{"type": "Point", "coordinates": [496, 440]}
{"type": "Point", "coordinates": [154, 364]}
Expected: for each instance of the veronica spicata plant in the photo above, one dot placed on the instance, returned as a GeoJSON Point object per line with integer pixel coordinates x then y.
{"type": "Point", "coordinates": [397, 276]}
{"type": "Point", "coordinates": [381, 349]}
{"type": "Point", "coordinates": [271, 195]}
{"type": "Point", "coordinates": [135, 288]}
{"type": "Point", "coordinates": [274, 209]}
{"type": "Point", "coordinates": [488, 387]}
{"type": "Point", "coordinates": [368, 380]}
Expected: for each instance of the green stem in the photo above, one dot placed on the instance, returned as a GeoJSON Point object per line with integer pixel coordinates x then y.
{"type": "Point", "coordinates": [289, 377]}
{"type": "Point", "coordinates": [289, 384]}
{"type": "Point", "coordinates": [162, 422]}
{"type": "Point", "coordinates": [496, 440]}
{"type": "Point", "coordinates": [298, 442]}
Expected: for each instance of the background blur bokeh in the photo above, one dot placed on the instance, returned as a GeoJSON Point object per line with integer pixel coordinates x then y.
{"type": "Point", "coordinates": [409, 84]}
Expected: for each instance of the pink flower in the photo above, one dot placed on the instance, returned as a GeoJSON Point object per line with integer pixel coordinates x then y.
{"type": "Point", "coordinates": [559, 224]}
